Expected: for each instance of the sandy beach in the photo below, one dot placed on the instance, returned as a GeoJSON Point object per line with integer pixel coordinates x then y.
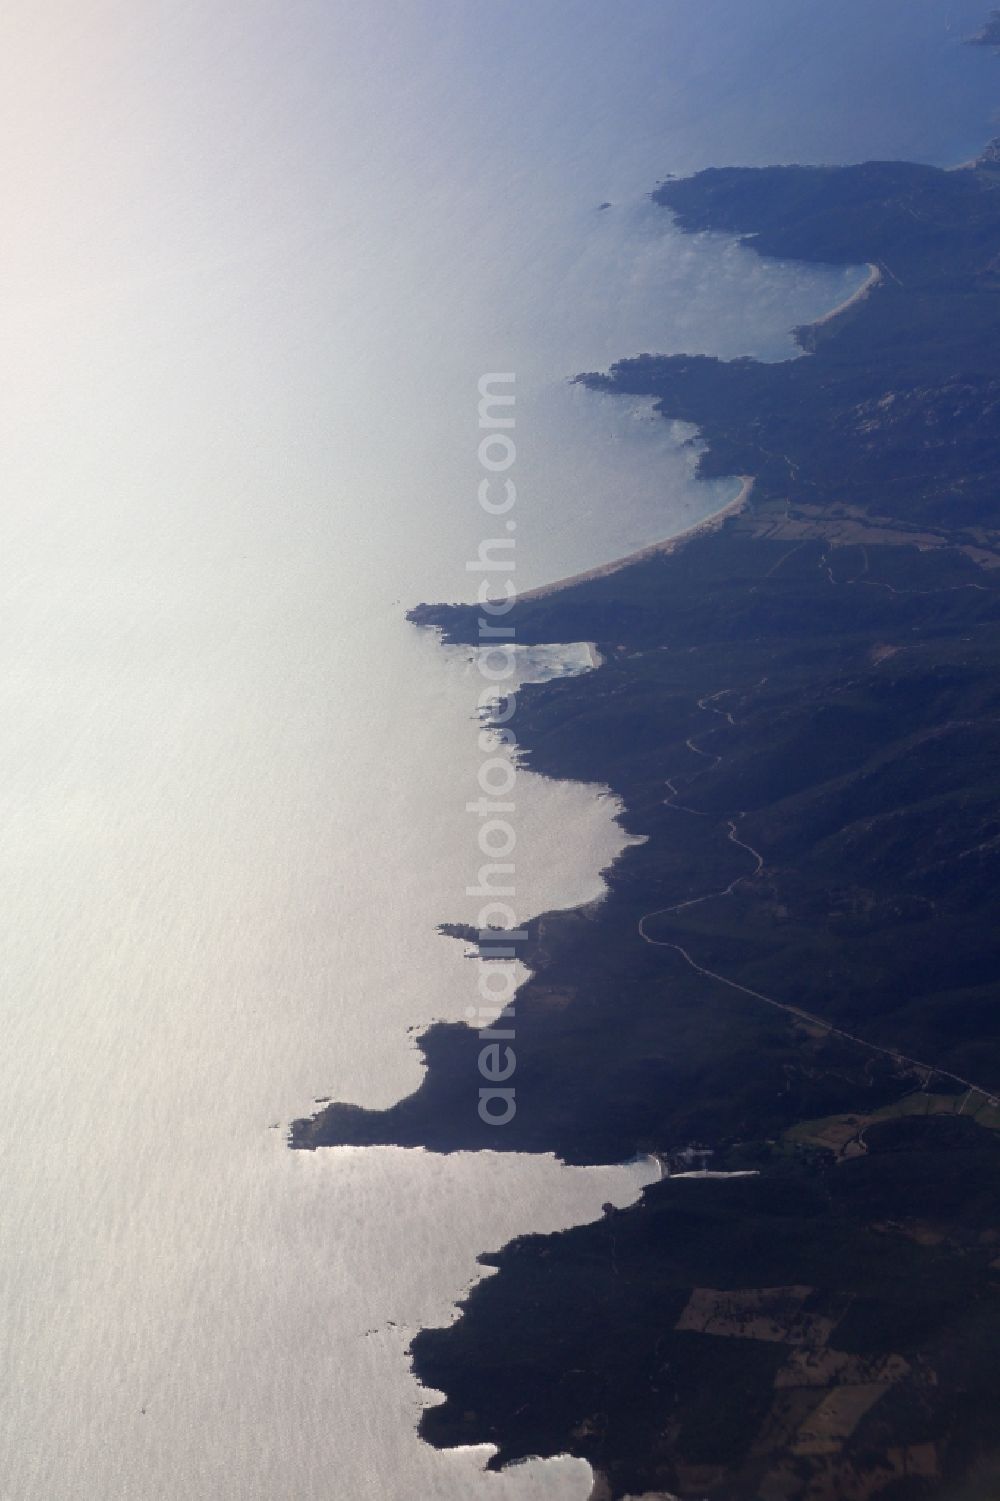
{"type": "Point", "coordinates": [708, 523]}
{"type": "Point", "coordinates": [867, 287]}
{"type": "Point", "coordinates": [655, 549]}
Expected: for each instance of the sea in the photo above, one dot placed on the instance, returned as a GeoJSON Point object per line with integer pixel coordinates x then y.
{"type": "Point", "coordinates": [257, 257]}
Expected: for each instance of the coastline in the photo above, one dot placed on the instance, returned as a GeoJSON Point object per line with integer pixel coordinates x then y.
{"type": "Point", "coordinates": [669, 545]}
{"type": "Point", "coordinates": [867, 287]}
{"type": "Point", "coordinates": [732, 678]}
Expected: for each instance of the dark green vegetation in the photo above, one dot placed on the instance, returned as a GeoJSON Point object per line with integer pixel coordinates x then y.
{"type": "Point", "coordinates": [799, 966]}
{"type": "Point", "coordinates": [592, 1361]}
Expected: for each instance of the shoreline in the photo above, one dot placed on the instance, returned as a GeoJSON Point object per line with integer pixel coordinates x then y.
{"type": "Point", "coordinates": [872, 280]}
{"type": "Point", "coordinates": [707, 523]}
{"type": "Point", "coordinates": [773, 1228]}
{"type": "Point", "coordinates": [715, 518]}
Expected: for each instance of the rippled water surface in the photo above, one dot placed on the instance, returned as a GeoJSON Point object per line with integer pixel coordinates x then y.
{"type": "Point", "coordinates": [259, 256]}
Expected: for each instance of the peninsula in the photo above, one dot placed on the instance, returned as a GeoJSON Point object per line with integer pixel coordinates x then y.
{"type": "Point", "coordinates": [795, 975]}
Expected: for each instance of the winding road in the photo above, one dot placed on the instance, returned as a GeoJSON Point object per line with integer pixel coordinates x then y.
{"type": "Point", "coordinates": [707, 704]}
